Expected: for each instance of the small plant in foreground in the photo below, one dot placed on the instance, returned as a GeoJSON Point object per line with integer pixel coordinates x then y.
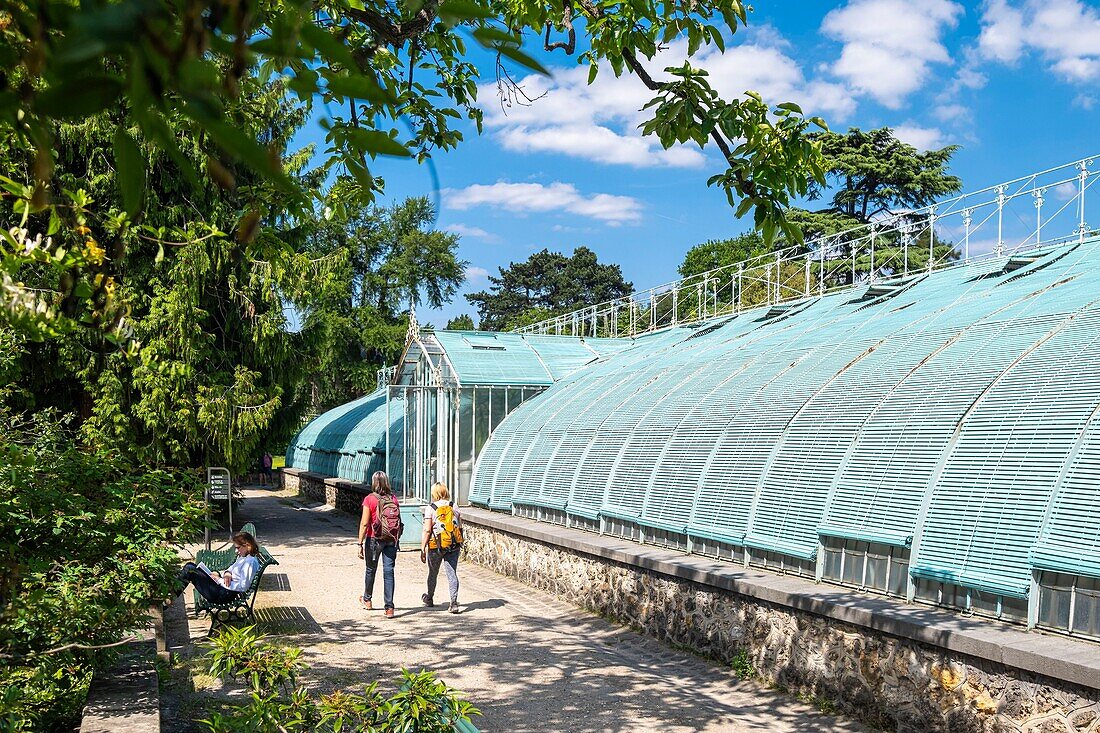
{"type": "Point", "coordinates": [742, 665]}
{"type": "Point", "coordinates": [278, 704]}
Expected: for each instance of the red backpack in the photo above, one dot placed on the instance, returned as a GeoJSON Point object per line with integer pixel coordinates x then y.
{"type": "Point", "coordinates": [387, 521]}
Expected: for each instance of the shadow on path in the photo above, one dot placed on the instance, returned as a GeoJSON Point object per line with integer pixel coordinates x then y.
{"type": "Point", "coordinates": [529, 661]}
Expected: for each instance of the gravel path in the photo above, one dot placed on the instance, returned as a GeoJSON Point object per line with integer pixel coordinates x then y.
{"type": "Point", "coordinates": [527, 660]}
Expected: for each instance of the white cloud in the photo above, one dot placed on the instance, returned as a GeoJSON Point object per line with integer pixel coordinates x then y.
{"type": "Point", "coordinates": [889, 45]}
{"type": "Point", "coordinates": [1065, 191]}
{"type": "Point", "coordinates": [464, 230]}
{"type": "Point", "coordinates": [949, 112]}
{"type": "Point", "coordinates": [599, 122]}
{"type": "Point", "coordinates": [1065, 33]}
{"type": "Point", "coordinates": [476, 274]}
{"type": "Point", "coordinates": [524, 198]}
{"type": "Point", "coordinates": [921, 138]}
{"type": "Point", "coordinates": [1003, 34]}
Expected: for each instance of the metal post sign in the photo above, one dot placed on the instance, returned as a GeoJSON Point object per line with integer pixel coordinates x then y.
{"type": "Point", "coordinates": [219, 487]}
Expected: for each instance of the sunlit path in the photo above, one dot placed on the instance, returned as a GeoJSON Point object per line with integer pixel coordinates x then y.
{"type": "Point", "coordinates": [527, 660]}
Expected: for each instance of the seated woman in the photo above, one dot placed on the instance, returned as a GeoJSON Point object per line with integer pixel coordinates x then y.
{"type": "Point", "coordinates": [231, 582]}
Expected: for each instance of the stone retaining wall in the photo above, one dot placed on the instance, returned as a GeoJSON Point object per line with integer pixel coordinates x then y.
{"type": "Point", "coordinates": [892, 682]}
{"type": "Point", "coordinates": [345, 495]}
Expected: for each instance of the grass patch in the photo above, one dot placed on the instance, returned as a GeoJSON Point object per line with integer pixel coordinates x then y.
{"type": "Point", "coordinates": [823, 704]}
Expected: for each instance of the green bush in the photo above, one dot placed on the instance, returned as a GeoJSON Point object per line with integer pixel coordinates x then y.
{"type": "Point", "coordinates": [85, 545]}
{"type": "Point", "coordinates": [278, 704]}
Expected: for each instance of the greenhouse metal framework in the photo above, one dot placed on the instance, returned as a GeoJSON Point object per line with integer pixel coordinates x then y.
{"type": "Point", "coordinates": [931, 434]}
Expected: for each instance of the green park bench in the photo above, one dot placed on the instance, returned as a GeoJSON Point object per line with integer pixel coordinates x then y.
{"type": "Point", "coordinates": [241, 607]}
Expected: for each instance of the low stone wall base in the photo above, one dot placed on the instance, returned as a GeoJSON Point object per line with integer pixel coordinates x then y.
{"type": "Point", "coordinates": [892, 683]}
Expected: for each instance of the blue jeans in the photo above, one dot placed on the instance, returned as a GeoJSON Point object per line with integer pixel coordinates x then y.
{"type": "Point", "coordinates": [207, 587]}
{"type": "Point", "coordinates": [388, 553]}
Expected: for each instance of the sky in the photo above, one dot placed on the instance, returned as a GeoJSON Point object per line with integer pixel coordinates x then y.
{"type": "Point", "coordinates": [1015, 83]}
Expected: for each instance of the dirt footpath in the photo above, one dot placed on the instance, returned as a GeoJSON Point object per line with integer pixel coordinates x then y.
{"type": "Point", "coordinates": [528, 661]}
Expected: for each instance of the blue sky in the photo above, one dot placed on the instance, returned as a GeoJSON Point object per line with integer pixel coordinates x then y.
{"type": "Point", "coordinates": [1016, 83]}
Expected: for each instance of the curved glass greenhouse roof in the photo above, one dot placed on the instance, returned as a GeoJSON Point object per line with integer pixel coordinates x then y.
{"type": "Point", "coordinates": [955, 415]}
{"type": "Point", "coordinates": [348, 441]}
{"type": "Point", "coordinates": [485, 358]}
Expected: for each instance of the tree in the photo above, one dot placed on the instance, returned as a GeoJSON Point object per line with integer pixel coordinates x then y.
{"type": "Point", "coordinates": [172, 64]}
{"type": "Point", "coordinates": [211, 372]}
{"type": "Point", "coordinates": [715, 253]}
{"type": "Point", "coordinates": [389, 258]}
{"type": "Point", "coordinates": [876, 173]}
{"type": "Point", "coordinates": [461, 323]}
{"type": "Point", "coordinates": [545, 284]}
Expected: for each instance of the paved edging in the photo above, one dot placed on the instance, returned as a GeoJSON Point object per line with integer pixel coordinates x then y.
{"type": "Point", "coordinates": [125, 698]}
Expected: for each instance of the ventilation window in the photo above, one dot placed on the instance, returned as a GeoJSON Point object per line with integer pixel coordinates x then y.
{"type": "Point", "coordinates": [708, 328]}
{"type": "Point", "coordinates": [890, 288]}
{"type": "Point", "coordinates": [1069, 603]}
{"type": "Point", "coordinates": [866, 565]}
{"type": "Point", "coordinates": [484, 342]}
{"type": "Point", "coordinates": [1018, 262]}
{"type": "Point", "coordinates": [786, 309]}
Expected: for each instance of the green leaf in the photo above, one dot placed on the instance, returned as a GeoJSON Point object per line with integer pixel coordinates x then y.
{"type": "Point", "coordinates": [130, 166]}
{"type": "Point", "coordinates": [236, 143]}
{"type": "Point", "coordinates": [77, 98]}
{"type": "Point", "coordinates": [360, 87]}
{"type": "Point", "coordinates": [521, 58]}
{"type": "Point", "coordinates": [453, 12]}
{"type": "Point", "coordinates": [378, 143]}
{"type": "Point", "coordinates": [487, 34]}
{"type": "Point", "coordinates": [790, 107]}
{"type": "Point", "coordinates": [327, 44]}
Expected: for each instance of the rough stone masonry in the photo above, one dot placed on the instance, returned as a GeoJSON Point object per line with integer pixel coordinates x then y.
{"type": "Point", "coordinates": [893, 683]}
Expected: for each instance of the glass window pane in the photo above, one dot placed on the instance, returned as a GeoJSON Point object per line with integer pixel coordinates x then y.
{"type": "Point", "coordinates": [876, 572]}
{"type": "Point", "coordinates": [515, 398]}
{"type": "Point", "coordinates": [899, 577]}
{"type": "Point", "coordinates": [832, 563]}
{"type": "Point", "coordinates": [983, 603]}
{"type": "Point", "coordinates": [497, 404]}
{"type": "Point", "coordinates": [1054, 608]}
{"type": "Point", "coordinates": [1014, 609]}
{"type": "Point", "coordinates": [481, 418]}
{"type": "Point", "coordinates": [1054, 596]}
{"type": "Point", "coordinates": [853, 567]}
{"type": "Point", "coordinates": [1085, 609]}
{"type": "Point", "coordinates": [928, 590]}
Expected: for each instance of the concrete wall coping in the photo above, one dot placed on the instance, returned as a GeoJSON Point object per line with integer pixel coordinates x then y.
{"type": "Point", "coordinates": [334, 481]}
{"type": "Point", "coordinates": [1052, 656]}
{"type": "Point", "coordinates": [125, 698]}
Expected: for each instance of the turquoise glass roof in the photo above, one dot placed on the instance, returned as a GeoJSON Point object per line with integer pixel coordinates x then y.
{"type": "Point", "coordinates": [480, 357]}
{"type": "Point", "coordinates": [958, 414]}
{"type": "Point", "coordinates": [349, 441]}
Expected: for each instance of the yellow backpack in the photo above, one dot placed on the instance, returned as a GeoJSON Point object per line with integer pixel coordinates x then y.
{"type": "Point", "coordinates": [446, 530]}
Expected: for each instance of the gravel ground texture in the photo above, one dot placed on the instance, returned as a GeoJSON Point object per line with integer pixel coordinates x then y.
{"type": "Point", "coordinates": [528, 661]}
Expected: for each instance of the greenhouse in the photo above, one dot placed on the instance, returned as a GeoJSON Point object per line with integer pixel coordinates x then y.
{"type": "Point", "coordinates": [441, 404]}
{"type": "Point", "coordinates": [934, 438]}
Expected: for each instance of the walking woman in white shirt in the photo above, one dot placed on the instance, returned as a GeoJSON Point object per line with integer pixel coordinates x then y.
{"type": "Point", "coordinates": [231, 582]}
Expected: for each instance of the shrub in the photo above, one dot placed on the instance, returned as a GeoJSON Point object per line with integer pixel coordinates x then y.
{"type": "Point", "coordinates": [278, 704]}
{"type": "Point", "coordinates": [85, 544]}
